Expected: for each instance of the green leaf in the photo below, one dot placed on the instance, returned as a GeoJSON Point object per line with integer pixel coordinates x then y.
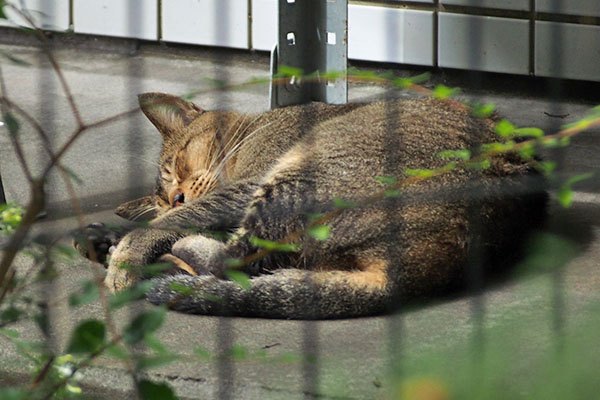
{"type": "Point", "coordinates": [203, 353]}
{"type": "Point", "coordinates": [239, 352]}
{"type": "Point", "coordinates": [529, 132]}
{"type": "Point", "coordinates": [484, 164]}
{"type": "Point", "coordinates": [155, 391]}
{"type": "Point", "coordinates": [341, 203]}
{"type": "Point", "coordinates": [504, 129]}
{"type": "Point", "coordinates": [284, 71]}
{"type": "Point", "coordinates": [565, 196]}
{"type": "Point", "coordinates": [387, 180]}
{"type": "Point", "coordinates": [215, 82]}
{"type": "Point", "coordinates": [273, 246]}
{"type": "Point", "coordinates": [444, 92]}
{"type": "Point", "coordinates": [144, 324]}
{"type": "Point", "coordinates": [546, 252]}
{"type": "Point", "coordinates": [88, 337]}
{"type": "Point", "coordinates": [147, 362]}
{"type": "Point", "coordinates": [88, 293]}
{"type": "Point", "coordinates": [2, 5]}
{"type": "Point", "coordinates": [11, 333]}
{"type": "Point", "coordinates": [238, 277]}
{"type": "Point", "coordinates": [463, 154]}
{"type": "Point", "coordinates": [498, 147]}
{"type": "Point", "coordinates": [421, 78]}
{"type": "Point", "coordinates": [527, 151]}
{"type": "Point", "coordinates": [11, 393]}
{"type": "Point", "coordinates": [403, 83]}
{"type": "Point", "coordinates": [11, 216]}
{"type": "Point", "coordinates": [578, 178]}
{"type": "Point", "coordinates": [546, 167]}
{"type": "Point", "coordinates": [11, 123]}
{"type": "Point", "coordinates": [128, 295]}
{"type": "Point", "coordinates": [483, 110]}
{"type": "Point", "coordinates": [319, 232]}
{"type": "Point", "coordinates": [117, 352]}
{"type": "Point", "coordinates": [11, 314]}
{"type": "Point", "coordinates": [181, 288]}
{"type": "Point", "coordinates": [565, 193]}
{"type": "Point", "coordinates": [234, 263]}
{"type": "Point", "coordinates": [549, 143]}
{"type": "Point", "coordinates": [421, 173]}
{"type": "Point", "coordinates": [391, 193]}
{"type": "Point", "coordinates": [152, 342]}
{"type": "Point", "coordinates": [156, 269]}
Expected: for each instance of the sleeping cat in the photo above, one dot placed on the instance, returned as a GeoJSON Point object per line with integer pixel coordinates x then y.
{"type": "Point", "coordinates": [268, 176]}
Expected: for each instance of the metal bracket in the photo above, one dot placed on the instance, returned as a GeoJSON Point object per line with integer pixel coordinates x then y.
{"type": "Point", "coordinates": [313, 37]}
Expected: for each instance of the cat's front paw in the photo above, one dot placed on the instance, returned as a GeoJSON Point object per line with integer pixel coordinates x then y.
{"type": "Point", "coordinates": [96, 242]}
{"type": "Point", "coordinates": [124, 269]}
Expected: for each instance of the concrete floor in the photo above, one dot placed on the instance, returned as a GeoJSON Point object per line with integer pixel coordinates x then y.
{"type": "Point", "coordinates": [351, 358]}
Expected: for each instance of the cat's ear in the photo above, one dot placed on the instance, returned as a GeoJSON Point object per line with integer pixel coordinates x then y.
{"type": "Point", "coordinates": [168, 113]}
{"type": "Point", "coordinates": [142, 209]}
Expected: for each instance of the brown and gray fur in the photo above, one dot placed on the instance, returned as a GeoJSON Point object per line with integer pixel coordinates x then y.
{"type": "Point", "coordinates": [265, 175]}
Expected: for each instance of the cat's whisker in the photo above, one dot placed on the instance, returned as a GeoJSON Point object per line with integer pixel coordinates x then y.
{"type": "Point", "coordinates": [238, 133]}
{"type": "Point", "coordinates": [143, 211]}
{"type": "Point", "coordinates": [216, 157]}
{"type": "Point", "coordinates": [237, 147]}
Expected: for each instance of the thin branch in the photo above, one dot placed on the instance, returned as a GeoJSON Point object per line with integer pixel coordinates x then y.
{"type": "Point", "coordinates": [63, 82]}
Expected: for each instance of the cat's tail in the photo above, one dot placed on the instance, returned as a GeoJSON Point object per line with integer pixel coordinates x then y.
{"type": "Point", "coordinates": [286, 293]}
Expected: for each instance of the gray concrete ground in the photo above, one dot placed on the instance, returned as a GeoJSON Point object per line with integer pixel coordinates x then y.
{"type": "Point", "coordinates": [350, 358]}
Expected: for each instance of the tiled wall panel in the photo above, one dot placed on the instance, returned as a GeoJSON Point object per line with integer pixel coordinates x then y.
{"type": "Point", "coordinates": [376, 32]}
{"type": "Point", "coordinates": [390, 35]}
{"type": "Point", "coordinates": [522, 5]}
{"type": "Point", "coordinates": [49, 15]}
{"type": "Point", "coordinates": [206, 22]}
{"type": "Point", "coordinates": [484, 43]}
{"type": "Point", "coordinates": [571, 7]}
{"type": "Point", "coordinates": [124, 18]}
{"type": "Point", "coordinates": [369, 30]}
{"type": "Point", "coordinates": [567, 51]}
{"type": "Point", "coordinates": [264, 24]}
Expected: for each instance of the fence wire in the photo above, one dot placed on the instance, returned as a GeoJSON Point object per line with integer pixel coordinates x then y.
{"type": "Point", "coordinates": [225, 334]}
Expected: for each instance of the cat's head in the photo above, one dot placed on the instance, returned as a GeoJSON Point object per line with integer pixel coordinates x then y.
{"type": "Point", "coordinates": [191, 152]}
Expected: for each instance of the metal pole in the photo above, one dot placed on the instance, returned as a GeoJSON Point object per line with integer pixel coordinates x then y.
{"type": "Point", "coordinates": [313, 37]}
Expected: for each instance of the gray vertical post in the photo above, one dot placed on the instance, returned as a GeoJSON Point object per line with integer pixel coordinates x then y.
{"type": "Point", "coordinates": [2, 196]}
{"type": "Point", "coordinates": [313, 37]}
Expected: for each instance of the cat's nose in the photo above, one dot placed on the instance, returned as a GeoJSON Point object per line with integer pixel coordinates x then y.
{"type": "Point", "coordinates": [178, 199]}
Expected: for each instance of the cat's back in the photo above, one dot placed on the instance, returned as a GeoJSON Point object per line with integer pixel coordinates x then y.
{"type": "Point", "coordinates": [270, 135]}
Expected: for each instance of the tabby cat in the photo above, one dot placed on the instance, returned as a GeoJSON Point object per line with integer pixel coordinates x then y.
{"type": "Point", "coordinates": [268, 176]}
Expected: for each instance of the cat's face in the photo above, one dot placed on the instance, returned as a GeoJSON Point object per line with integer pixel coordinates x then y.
{"type": "Point", "coordinates": [189, 159]}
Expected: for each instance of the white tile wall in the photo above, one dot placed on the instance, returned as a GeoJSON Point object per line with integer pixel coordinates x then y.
{"type": "Point", "coordinates": [206, 22]}
{"type": "Point", "coordinates": [49, 15]}
{"type": "Point", "coordinates": [264, 24]}
{"type": "Point", "coordinates": [124, 18]}
{"type": "Point", "coordinates": [374, 33]}
{"type": "Point", "coordinates": [484, 43]}
{"type": "Point", "coordinates": [522, 5]}
{"type": "Point", "coordinates": [573, 7]}
{"type": "Point", "coordinates": [567, 50]}
{"type": "Point", "coordinates": [390, 35]}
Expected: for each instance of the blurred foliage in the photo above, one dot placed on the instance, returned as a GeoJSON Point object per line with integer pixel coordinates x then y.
{"type": "Point", "coordinates": [496, 372]}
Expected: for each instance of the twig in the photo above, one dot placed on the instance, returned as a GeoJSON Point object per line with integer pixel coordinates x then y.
{"type": "Point", "coordinates": [42, 37]}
